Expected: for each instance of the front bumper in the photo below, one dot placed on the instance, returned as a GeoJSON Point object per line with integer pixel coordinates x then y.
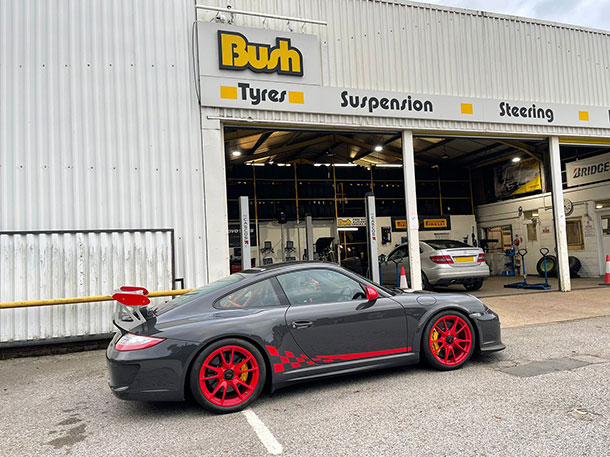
{"type": "Point", "coordinates": [489, 332]}
{"type": "Point", "coordinates": [153, 374]}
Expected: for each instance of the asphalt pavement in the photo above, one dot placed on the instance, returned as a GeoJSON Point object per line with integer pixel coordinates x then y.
{"type": "Point", "coordinates": [547, 394]}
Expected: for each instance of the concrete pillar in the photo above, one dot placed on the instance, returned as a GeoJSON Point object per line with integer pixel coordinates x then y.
{"type": "Point", "coordinates": [215, 200]}
{"type": "Point", "coordinates": [408, 168]}
{"type": "Point", "coordinates": [559, 217]}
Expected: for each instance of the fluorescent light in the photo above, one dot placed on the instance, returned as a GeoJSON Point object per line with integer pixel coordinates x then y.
{"type": "Point", "coordinates": [599, 206]}
{"type": "Point", "coordinates": [378, 148]}
{"type": "Point", "coordinates": [236, 153]}
{"type": "Point", "coordinates": [535, 214]}
{"type": "Point", "coordinates": [348, 229]}
{"type": "Point", "coordinates": [270, 162]}
{"type": "Point", "coordinates": [281, 164]}
{"type": "Point", "coordinates": [257, 164]}
{"type": "Point", "coordinates": [516, 159]}
{"type": "Point", "coordinates": [388, 165]}
{"type": "Point", "coordinates": [345, 165]}
{"type": "Point", "coordinates": [317, 164]}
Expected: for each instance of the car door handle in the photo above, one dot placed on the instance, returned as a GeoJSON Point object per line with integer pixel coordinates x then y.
{"type": "Point", "coordinates": [301, 324]}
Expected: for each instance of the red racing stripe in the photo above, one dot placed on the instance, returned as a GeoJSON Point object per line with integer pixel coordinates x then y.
{"type": "Point", "coordinates": [363, 355]}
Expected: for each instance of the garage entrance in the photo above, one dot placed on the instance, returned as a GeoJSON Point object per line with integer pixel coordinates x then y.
{"type": "Point", "coordinates": [487, 193]}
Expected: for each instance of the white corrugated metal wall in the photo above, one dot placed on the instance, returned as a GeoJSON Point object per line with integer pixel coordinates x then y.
{"type": "Point", "coordinates": [75, 264]}
{"type": "Point", "coordinates": [426, 49]}
{"type": "Point", "coordinates": [99, 121]}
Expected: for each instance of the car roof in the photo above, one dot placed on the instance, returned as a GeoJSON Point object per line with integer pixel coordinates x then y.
{"type": "Point", "coordinates": [289, 266]}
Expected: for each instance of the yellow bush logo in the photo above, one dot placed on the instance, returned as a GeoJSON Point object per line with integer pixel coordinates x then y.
{"type": "Point", "coordinates": [236, 53]}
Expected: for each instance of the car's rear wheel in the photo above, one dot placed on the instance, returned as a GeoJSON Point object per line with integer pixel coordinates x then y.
{"type": "Point", "coordinates": [448, 341]}
{"type": "Point", "coordinates": [227, 376]}
{"type": "Point", "coordinates": [425, 282]}
{"type": "Point", "coordinates": [472, 286]}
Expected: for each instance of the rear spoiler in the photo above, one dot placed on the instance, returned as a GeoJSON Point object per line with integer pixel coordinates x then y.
{"type": "Point", "coordinates": [133, 300]}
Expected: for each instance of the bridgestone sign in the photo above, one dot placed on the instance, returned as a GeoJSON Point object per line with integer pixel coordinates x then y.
{"type": "Point", "coordinates": [589, 170]}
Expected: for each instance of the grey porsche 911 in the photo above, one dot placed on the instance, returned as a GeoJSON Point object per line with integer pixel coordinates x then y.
{"type": "Point", "coordinates": [282, 324]}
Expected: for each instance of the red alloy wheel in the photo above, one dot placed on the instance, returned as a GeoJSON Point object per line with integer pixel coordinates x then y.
{"type": "Point", "coordinates": [228, 376]}
{"type": "Point", "coordinates": [450, 340]}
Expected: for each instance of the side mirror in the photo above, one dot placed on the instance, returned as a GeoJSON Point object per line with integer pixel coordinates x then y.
{"type": "Point", "coordinates": [371, 293]}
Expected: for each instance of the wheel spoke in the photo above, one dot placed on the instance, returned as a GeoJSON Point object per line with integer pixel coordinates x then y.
{"type": "Point", "coordinates": [217, 388]}
{"type": "Point", "coordinates": [240, 364]}
{"type": "Point", "coordinates": [224, 394]}
{"type": "Point", "coordinates": [438, 329]}
{"type": "Point", "coordinates": [241, 397]}
{"type": "Point", "coordinates": [239, 381]}
{"type": "Point", "coordinates": [247, 371]}
{"type": "Point", "coordinates": [206, 378]}
{"type": "Point", "coordinates": [232, 354]}
{"type": "Point", "coordinates": [222, 359]}
{"type": "Point", "coordinates": [216, 369]}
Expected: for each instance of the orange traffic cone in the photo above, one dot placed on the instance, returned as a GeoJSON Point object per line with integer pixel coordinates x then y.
{"type": "Point", "coordinates": [403, 279]}
{"type": "Point", "coordinates": [607, 277]}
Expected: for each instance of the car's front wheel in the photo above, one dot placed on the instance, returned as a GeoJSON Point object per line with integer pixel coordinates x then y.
{"type": "Point", "coordinates": [448, 341]}
{"type": "Point", "coordinates": [227, 376]}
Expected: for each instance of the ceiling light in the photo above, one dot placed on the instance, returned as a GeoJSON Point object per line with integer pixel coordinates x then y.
{"type": "Point", "coordinates": [345, 165]}
{"type": "Point", "coordinates": [270, 162]}
{"type": "Point", "coordinates": [317, 164]}
{"type": "Point", "coordinates": [348, 229]}
{"type": "Point", "coordinates": [599, 206]}
{"type": "Point", "coordinates": [516, 159]}
{"type": "Point", "coordinates": [378, 148]}
{"type": "Point", "coordinates": [236, 153]}
{"type": "Point", "coordinates": [445, 156]}
{"type": "Point", "coordinates": [535, 214]}
{"type": "Point", "coordinates": [388, 165]}
{"type": "Point", "coordinates": [281, 164]}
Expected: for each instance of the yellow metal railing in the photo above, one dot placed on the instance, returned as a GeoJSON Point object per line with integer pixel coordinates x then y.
{"type": "Point", "coordinates": [94, 298]}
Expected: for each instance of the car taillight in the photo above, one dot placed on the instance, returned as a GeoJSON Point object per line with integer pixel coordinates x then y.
{"type": "Point", "coordinates": [441, 259]}
{"type": "Point", "coordinates": [481, 258]}
{"type": "Point", "coordinates": [131, 342]}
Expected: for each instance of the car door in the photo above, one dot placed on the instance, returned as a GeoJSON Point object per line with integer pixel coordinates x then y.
{"type": "Point", "coordinates": [397, 258]}
{"type": "Point", "coordinates": [331, 319]}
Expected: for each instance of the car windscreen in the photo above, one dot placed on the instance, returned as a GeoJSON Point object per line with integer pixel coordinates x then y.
{"type": "Point", "coordinates": [446, 244]}
{"type": "Point", "coordinates": [195, 294]}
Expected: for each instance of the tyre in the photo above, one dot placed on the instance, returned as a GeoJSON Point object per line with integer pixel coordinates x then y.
{"type": "Point", "coordinates": [575, 266]}
{"type": "Point", "coordinates": [227, 376]}
{"type": "Point", "coordinates": [551, 266]}
{"type": "Point", "coordinates": [425, 283]}
{"type": "Point", "coordinates": [472, 286]}
{"type": "Point", "coordinates": [448, 340]}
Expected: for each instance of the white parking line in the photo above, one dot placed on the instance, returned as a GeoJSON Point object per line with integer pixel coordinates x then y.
{"type": "Point", "coordinates": [263, 433]}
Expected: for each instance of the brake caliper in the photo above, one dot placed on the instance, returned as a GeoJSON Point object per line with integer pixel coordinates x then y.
{"type": "Point", "coordinates": [435, 345]}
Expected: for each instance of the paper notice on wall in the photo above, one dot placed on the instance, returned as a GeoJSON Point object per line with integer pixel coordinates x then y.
{"type": "Point", "coordinates": [588, 228]}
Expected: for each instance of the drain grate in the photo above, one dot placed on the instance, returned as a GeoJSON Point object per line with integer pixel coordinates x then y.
{"type": "Point", "coordinates": [540, 367]}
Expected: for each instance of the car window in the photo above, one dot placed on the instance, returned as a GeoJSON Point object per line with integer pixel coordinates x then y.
{"type": "Point", "coordinates": [255, 295]}
{"type": "Point", "coordinates": [399, 253]}
{"type": "Point", "coordinates": [446, 244]}
{"type": "Point", "coordinates": [320, 286]}
{"type": "Point", "coordinates": [196, 294]}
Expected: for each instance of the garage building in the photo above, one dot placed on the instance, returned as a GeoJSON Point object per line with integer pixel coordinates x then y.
{"type": "Point", "coordinates": [128, 131]}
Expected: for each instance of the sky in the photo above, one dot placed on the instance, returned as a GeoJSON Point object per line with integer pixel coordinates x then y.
{"type": "Point", "coordinates": [586, 13]}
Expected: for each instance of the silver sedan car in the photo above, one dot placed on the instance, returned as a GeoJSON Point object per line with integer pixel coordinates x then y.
{"type": "Point", "coordinates": [443, 262]}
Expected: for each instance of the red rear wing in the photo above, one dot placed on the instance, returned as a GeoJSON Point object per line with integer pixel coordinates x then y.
{"type": "Point", "coordinates": [132, 297]}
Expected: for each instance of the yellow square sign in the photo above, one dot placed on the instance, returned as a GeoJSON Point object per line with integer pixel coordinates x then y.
{"type": "Point", "coordinates": [583, 115]}
{"type": "Point", "coordinates": [228, 92]}
{"type": "Point", "coordinates": [296, 97]}
{"type": "Point", "coordinates": [467, 108]}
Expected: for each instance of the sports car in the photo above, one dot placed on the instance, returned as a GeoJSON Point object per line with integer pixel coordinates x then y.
{"type": "Point", "coordinates": [269, 327]}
